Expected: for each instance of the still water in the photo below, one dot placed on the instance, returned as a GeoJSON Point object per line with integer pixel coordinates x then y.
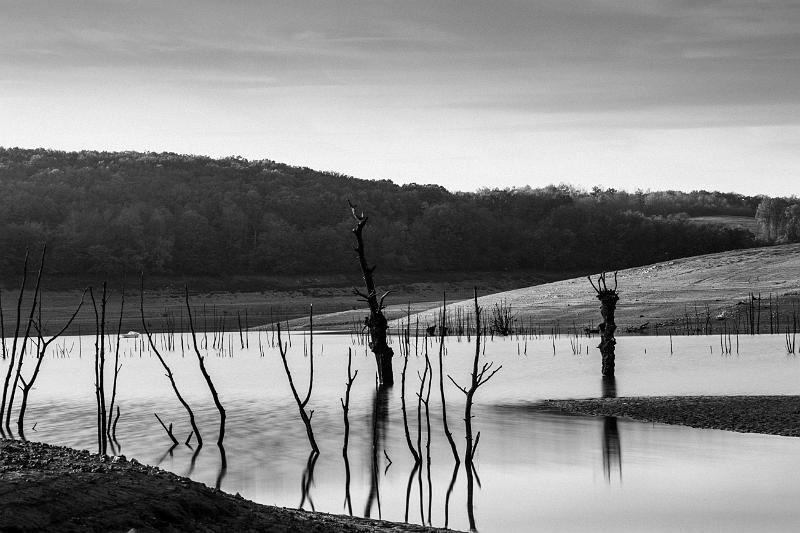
{"type": "Point", "coordinates": [536, 469]}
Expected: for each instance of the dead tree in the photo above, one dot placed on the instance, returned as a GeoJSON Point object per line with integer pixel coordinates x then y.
{"type": "Point", "coordinates": [446, 428]}
{"type": "Point", "coordinates": [376, 322]}
{"type": "Point", "coordinates": [111, 429]}
{"type": "Point", "coordinates": [17, 374]}
{"type": "Point", "coordinates": [351, 377]}
{"type": "Point", "coordinates": [42, 345]}
{"type": "Point", "coordinates": [203, 370]}
{"type": "Point", "coordinates": [305, 416]}
{"type": "Point", "coordinates": [478, 377]}
{"type": "Point", "coordinates": [170, 377]}
{"type": "Point", "coordinates": [608, 304]}
{"type": "Point", "coordinates": [99, 369]}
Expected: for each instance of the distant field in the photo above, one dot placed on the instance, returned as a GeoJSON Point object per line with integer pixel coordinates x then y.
{"type": "Point", "coordinates": [255, 301]}
{"type": "Point", "coordinates": [748, 223]}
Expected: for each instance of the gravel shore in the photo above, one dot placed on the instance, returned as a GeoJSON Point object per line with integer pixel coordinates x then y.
{"type": "Point", "coordinates": [58, 489]}
{"type": "Point", "coordinates": [773, 415]}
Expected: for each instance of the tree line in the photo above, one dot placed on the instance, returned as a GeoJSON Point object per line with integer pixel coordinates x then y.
{"type": "Point", "coordinates": [779, 220]}
{"type": "Point", "coordinates": [172, 214]}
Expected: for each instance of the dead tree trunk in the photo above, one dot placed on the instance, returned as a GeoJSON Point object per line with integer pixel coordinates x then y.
{"type": "Point", "coordinates": [376, 322]}
{"type": "Point", "coordinates": [608, 304]}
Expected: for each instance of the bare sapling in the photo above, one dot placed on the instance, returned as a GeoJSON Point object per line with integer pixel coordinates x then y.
{"type": "Point", "coordinates": [12, 357]}
{"type": "Point", "coordinates": [99, 368]}
{"type": "Point", "coordinates": [168, 374]}
{"type": "Point", "coordinates": [351, 377]}
{"type": "Point", "coordinates": [405, 411]}
{"type": "Point", "coordinates": [111, 430]}
{"type": "Point", "coordinates": [206, 376]}
{"type": "Point", "coordinates": [25, 338]}
{"type": "Point", "coordinates": [168, 430]}
{"type": "Point", "coordinates": [477, 379]}
{"type": "Point", "coordinates": [42, 345]}
{"type": "Point", "coordinates": [447, 431]}
{"type": "Point", "coordinates": [502, 319]}
{"type": "Point", "coordinates": [608, 304]}
{"type": "Point", "coordinates": [305, 416]}
{"type": "Point", "coordinates": [376, 322]}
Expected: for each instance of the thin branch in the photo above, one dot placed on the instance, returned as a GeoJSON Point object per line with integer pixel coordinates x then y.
{"type": "Point", "coordinates": [166, 367]}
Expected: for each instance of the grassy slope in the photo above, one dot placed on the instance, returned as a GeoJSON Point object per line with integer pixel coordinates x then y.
{"type": "Point", "coordinates": [655, 293]}
{"type": "Point", "coordinates": [748, 223]}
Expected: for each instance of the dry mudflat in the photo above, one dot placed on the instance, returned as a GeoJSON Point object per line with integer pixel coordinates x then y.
{"type": "Point", "coordinates": [57, 489]}
{"type": "Point", "coordinates": [657, 294]}
{"type": "Point", "coordinates": [773, 415]}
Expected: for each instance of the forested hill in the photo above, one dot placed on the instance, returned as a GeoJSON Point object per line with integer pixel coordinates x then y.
{"type": "Point", "coordinates": [187, 215]}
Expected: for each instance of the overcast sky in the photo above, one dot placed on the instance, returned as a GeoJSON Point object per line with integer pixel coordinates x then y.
{"type": "Point", "coordinates": [619, 93]}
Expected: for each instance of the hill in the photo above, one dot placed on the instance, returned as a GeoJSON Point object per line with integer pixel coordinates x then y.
{"type": "Point", "coordinates": [661, 294]}
{"type": "Point", "coordinates": [105, 213]}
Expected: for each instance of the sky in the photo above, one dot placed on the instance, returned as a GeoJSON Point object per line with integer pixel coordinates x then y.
{"type": "Point", "coordinates": [644, 94]}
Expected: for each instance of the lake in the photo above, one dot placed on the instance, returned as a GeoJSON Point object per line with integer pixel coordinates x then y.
{"type": "Point", "coordinates": [537, 469]}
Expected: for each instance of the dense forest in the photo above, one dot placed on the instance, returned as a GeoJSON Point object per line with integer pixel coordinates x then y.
{"type": "Point", "coordinates": [103, 212]}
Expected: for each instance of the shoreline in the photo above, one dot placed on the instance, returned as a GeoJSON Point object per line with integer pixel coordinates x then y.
{"type": "Point", "coordinates": [59, 489]}
{"type": "Point", "coordinates": [769, 415]}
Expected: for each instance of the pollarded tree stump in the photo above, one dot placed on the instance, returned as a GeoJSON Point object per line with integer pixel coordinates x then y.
{"type": "Point", "coordinates": [608, 304]}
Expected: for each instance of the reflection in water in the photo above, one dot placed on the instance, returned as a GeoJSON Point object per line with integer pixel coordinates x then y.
{"type": "Point", "coordinates": [223, 465]}
{"type": "Point", "coordinates": [408, 488]}
{"type": "Point", "coordinates": [470, 497]}
{"type": "Point", "coordinates": [611, 447]}
{"type": "Point", "coordinates": [307, 480]}
{"type": "Point", "coordinates": [167, 453]}
{"type": "Point", "coordinates": [347, 501]}
{"type": "Point", "coordinates": [447, 497]}
{"type": "Point", "coordinates": [668, 478]}
{"type": "Point", "coordinates": [193, 461]}
{"type": "Point", "coordinates": [380, 413]}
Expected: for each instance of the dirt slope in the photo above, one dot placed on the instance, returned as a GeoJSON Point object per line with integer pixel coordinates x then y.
{"type": "Point", "coordinates": [655, 293]}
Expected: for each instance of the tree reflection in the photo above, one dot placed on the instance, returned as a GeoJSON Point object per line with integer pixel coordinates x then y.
{"type": "Point", "coordinates": [380, 412]}
{"type": "Point", "coordinates": [307, 480]}
{"type": "Point", "coordinates": [223, 465]}
{"type": "Point", "coordinates": [612, 453]}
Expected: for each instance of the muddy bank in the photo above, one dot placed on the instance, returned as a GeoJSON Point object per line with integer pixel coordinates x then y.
{"type": "Point", "coordinates": [57, 489]}
{"type": "Point", "coordinates": [773, 415]}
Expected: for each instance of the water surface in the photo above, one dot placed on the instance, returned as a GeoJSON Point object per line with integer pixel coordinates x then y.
{"type": "Point", "coordinates": [537, 469]}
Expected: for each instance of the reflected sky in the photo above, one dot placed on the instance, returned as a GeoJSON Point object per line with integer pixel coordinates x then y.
{"type": "Point", "coordinates": [535, 467]}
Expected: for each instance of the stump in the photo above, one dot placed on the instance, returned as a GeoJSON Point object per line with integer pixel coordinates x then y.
{"type": "Point", "coordinates": [608, 304]}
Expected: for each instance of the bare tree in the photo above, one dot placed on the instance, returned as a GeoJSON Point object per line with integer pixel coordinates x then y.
{"type": "Point", "coordinates": [301, 404]}
{"type": "Point", "coordinates": [376, 322]}
{"type": "Point", "coordinates": [111, 430]}
{"type": "Point", "coordinates": [99, 368]}
{"type": "Point", "coordinates": [25, 338]}
{"type": "Point", "coordinates": [203, 370]}
{"type": "Point", "coordinates": [42, 345]}
{"type": "Point", "coordinates": [477, 378]}
{"type": "Point", "coordinates": [169, 375]}
{"type": "Point", "coordinates": [608, 304]}
{"type": "Point", "coordinates": [351, 377]}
